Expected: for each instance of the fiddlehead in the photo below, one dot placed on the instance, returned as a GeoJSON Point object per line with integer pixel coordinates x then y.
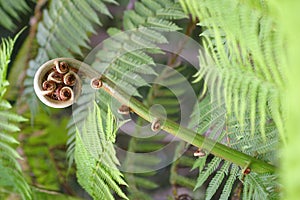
{"type": "Point", "coordinates": [58, 84]}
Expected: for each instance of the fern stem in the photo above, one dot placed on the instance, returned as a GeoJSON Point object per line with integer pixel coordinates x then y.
{"type": "Point", "coordinates": [241, 159]}
{"type": "Point", "coordinates": [188, 135]}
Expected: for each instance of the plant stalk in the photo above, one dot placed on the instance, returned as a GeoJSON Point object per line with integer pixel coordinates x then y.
{"type": "Point", "coordinates": [219, 150]}
{"type": "Point", "coordinates": [241, 159]}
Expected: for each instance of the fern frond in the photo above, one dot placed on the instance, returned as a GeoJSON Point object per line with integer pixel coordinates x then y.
{"type": "Point", "coordinates": [240, 39]}
{"type": "Point", "coordinates": [216, 181]}
{"type": "Point", "coordinates": [204, 174]}
{"type": "Point", "coordinates": [95, 156]}
{"type": "Point", "coordinates": [124, 55]}
{"type": "Point", "coordinates": [81, 112]}
{"type": "Point", "coordinates": [243, 68]}
{"type": "Point", "coordinates": [260, 186]}
{"type": "Point", "coordinates": [237, 137]}
{"type": "Point", "coordinates": [10, 11]}
{"type": "Point", "coordinates": [229, 183]}
{"type": "Point", "coordinates": [143, 32]}
{"type": "Point", "coordinates": [11, 173]}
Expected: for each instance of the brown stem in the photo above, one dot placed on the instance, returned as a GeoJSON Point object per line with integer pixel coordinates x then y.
{"type": "Point", "coordinates": [31, 37]}
{"type": "Point", "coordinates": [189, 30]}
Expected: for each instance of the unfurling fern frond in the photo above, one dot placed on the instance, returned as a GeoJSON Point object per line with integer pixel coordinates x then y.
{"type": "Point", "coordinates": [63, 32]}
{"type": "Point", "coordinates": [261, 186]}
{"type": "Point", "coordinates": [10, 11]}
{"type": "Point", "coordinates": [244, 45]}
{"type": "Point", "coordinates": [11, 177]}
{"type": "Point", "coordinates": [95, 156]}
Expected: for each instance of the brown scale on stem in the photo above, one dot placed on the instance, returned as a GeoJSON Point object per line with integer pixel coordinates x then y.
{"type": "Point", "coordinates": [200, 153]}
{"type": "Point", "coordinates": [96, 83]}
{"type": "Point", "coordinates": [156, 126]}
{"type": "Point", "coordinates": [124, 110]}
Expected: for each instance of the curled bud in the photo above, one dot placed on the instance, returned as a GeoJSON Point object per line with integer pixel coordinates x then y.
{"type": "Point", "coordinates": [66, 93]}
{"type": "Point", "coordinates": [70, 78]}
{"type": "Point", "coordinates": [48, 87]}
{"type": "Point", "coordinates": [54, 76]}
{"type": "Point", "coordinates": [61, 67]}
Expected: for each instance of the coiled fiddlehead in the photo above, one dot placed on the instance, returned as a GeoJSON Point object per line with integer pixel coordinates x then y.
{"type": "Point", "coordinates": [50, 87]}
{"type": "Point", "coordinates": [57, 83]}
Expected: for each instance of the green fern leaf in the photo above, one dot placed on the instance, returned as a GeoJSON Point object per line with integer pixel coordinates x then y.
{"type": "Point", "coordinates": [204, 174]}
{"type": "Point", "coordinates": [229, 183]}
{"type": "Point", "coordinates": [240, 41]}
{"type": "Point", "coordinates": [216, 181]}
{"type": "Point", "coordinates": [10, 10]}
{"type": "Point", "coordinates": [11, 174]}
{"type": "Point", "coordinates": [95, 156]}
{"type": "Point", "coordinates": [257, 186]}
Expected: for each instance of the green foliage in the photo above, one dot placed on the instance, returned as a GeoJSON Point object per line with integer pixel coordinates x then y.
{"type": "Point", "coordinates": [143, 162]}
{"type": "Point", "coordinates": [95, 156]}
{"type": "Point", "coordinates": [244, 44]}
{"type": "Point", "coordinates": [183, 160]}
{"type": "Point", "coordinates": [123, 56]}
{"type": "Point", "coordinates": [287, 13]}
{"type": "Point", "coordinates": [10, 11]}
{"type": "Point", "coordinates": [11, 174]}
{"type": "Point", "coordinates": [260, 187]}
{"type": "Point", "coordinates": [44, 148]}
{"type": "Point", "coordinates": [50, 195]}
{"type": "Point", "coordinates": [215, 124]}
{"type": "Point", "coordinates": [244, 70]}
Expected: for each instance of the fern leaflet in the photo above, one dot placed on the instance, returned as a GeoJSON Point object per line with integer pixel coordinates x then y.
{"type": "Point", "coordinates": [11, 173]}
{"type": "Point", "coordinates": [95, 156]}
{"type": "Point", "coordinates": [10, 10]}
